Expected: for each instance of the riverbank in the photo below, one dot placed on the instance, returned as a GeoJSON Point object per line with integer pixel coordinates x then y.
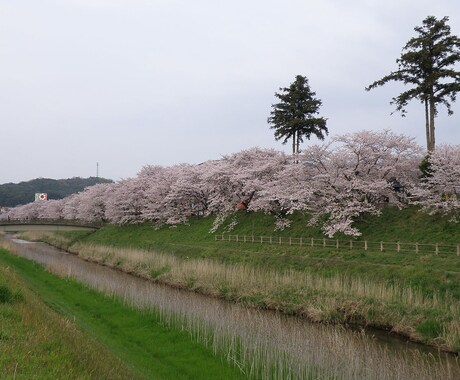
{"type": "Point", "coordinates": [261, 344]}
{"type": "Point", "coordinates": [88, 335]}
{"type": "Point", "coordinates": [36, 342]}
{"type": "Point", "coordinates": [416, 296]}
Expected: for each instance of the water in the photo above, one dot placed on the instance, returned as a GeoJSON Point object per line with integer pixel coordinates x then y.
{"type": "Point", "coordinates": [263, 344]}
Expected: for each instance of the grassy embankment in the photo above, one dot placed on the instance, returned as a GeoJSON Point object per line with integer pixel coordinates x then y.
{"type": "Point", "coordinates": [36, 342]}
{"type": "Point", "coordinates": [41, 333]}
{"type": "Point", "coordinates": [416, 295]}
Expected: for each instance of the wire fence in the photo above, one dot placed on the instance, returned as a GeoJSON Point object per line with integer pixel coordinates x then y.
{"type": "Point", "coordinates": [436, 248]}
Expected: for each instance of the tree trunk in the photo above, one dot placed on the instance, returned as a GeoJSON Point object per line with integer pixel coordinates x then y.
{"type": "Point", "coordinates": [432, 115]}
{"type": "Point", "coordinates": [427, 126]}
{"type": "Point", "coordinates": [293, 143]}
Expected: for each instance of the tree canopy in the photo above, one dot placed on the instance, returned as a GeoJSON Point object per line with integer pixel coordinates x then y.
{"type": "Point", "coordinates": [427, 65]}
{"type": "Point", "coordinates": [295, 116]}
{"type": "Point", "coordinates": [334, 183]}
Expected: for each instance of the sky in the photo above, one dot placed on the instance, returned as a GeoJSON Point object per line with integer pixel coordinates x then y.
{"type": "Point", "coordinates": [106, 87]}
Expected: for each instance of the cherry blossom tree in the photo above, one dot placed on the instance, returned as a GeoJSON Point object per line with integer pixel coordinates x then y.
{"type": "Point", "coordinates": [127, 201]}
{"type": "Point", "coordinates": [355, 174]}
{"type": "Point", "coordinates": [288, 191]}
{"type": "Point", "coordinates": [93, 202]}
{"type": "Point", "coordinates": [158, 181]}
{"type": "Point", "coordinates": [236, 180]}
{"type": "Point", "coordinates": [188, 193]}
{"type": "Point", "coordinates": [439, 191]}
{"type": "Point", "coordinates": [335, 183]}
{"type": "Point", "coordinates": [51, 209]}
{"type": "Point", "coordinates": [29, 211]}
{"type": "Point", "coordinates": [71, 206]}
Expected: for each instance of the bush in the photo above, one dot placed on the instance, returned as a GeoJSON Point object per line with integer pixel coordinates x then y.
{"type": "Point", "coordinates": [7, 296]}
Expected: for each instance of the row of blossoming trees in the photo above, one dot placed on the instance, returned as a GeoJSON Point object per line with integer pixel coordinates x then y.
{"type": "Point", "coordinates": [334, 183]}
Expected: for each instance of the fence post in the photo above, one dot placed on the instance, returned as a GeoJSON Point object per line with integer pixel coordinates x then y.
{"type": "Point", "coordinates": [280, 240]}
{"type": "Point", "coordinates": [270, 239]}
{"type": "Point", "coordinates": [300, 241]}
{"type": "Point", "coordinates": [398, 247]}
{"type": "Point", "coordinates": [337, 244]}
{"type": "Point", "coordinates": [416, 247]}
{"type": "Point", "coordinates": [365, 245]}
{"type": "Point", "coordinates": [237, 238]}
{"type": "Point", "coordinates": [381, 246]}
{"type": "Point", "coordinates": [253, 238]}
{"type": "Point", "coordinates": [324, 242]}
{"type": "Point", "coordinates": [458, 249]}
{"type": "Point", "coordinates": [261, 239]}
{"type": "Point", "coordinates": [351, 244]}
{"type": "Point", "coordinates": [437, 248]}
{"type": "Point", "coordinates": [312, 242]}
{"type": "Point", "coordinates": [290, 240]}
{"type": "Point", "coordinates": [245, 238]}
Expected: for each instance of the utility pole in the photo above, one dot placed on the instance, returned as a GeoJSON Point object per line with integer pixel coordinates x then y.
{"type": "Point", "coordinates": [97, 169]}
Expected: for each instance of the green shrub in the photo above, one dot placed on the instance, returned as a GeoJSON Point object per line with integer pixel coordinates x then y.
{"type": "Point", "coordinates": [6, 295]}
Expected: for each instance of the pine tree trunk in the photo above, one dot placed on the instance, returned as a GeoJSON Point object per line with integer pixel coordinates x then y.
{"type": "Point", "coordinates": [427, 126]}
{"type": "Point", "coordinates": [432, 115]}
{"type": "Point", "coordinates": [293, 143]}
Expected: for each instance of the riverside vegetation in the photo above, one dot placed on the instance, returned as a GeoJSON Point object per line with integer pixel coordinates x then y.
{"type": "Point", "coordinates": [36, 342]}
{"type": "Point", "coordinates": [412, 295]}
{"type": "Point", "coordinates": [261, 345]}
{"type": "Point", "coordinates": [64, 330]}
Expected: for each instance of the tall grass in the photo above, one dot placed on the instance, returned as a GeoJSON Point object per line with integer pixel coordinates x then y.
{"type": "Point", "coordinates": [337, 292]}
{"type": "Point", "coordinates": [211, 276]}
{"type": "Point", "coordinates": [335, 298]}
{"type": "Point", "coordinates": [263, 345]}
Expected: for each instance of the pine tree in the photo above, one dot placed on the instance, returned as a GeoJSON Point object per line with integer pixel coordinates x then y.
{"type": "Point", "coordinates": [294, 117]}
{"type": "Point", "coordinates": [426, 63]}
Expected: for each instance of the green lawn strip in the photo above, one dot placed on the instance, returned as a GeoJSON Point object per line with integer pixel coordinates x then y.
{"type": "Point", "coordinates": [38, 343]}
{"type": "Point", "coordinates": [137, 337]}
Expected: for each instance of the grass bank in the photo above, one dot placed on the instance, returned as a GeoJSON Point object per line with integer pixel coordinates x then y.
{"type": "Point", "coordinates": [125, 344]}
{"type": "Point", "coordinates": [36, 342]}
{"type": "Point", "coordinates": [413, 295]}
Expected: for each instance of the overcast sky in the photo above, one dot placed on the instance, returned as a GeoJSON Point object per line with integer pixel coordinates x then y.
{"type": "Point", "coordinates": [129, 83]}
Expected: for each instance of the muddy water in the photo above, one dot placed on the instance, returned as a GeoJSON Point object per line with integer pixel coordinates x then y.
{"type": "Point", "coordinates": [263, 344]}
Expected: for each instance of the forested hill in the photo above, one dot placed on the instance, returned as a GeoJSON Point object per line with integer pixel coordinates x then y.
{"type": "Point", "coordinates": [13, 194]}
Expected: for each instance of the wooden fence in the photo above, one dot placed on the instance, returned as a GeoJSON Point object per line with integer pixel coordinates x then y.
{"type": "Point", "coordinates": [436, 248]}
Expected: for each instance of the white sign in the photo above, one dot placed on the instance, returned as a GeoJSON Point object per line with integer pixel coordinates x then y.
{"type": "Point", "coordinates": [41, 197]}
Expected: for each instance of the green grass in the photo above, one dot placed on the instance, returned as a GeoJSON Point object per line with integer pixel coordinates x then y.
{"type": "Point", "coordinates": [432, 275]}
{"type": "Point", "coordinates": [409, 225]}
{"type": "Point", "coordinates": [136, 337]}
{"type": "Point", "coordinates": [38, 343]}
{"type": "Point", "coordinates": [429, 272]}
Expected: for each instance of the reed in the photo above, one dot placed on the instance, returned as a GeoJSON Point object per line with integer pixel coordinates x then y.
{"type": "Point", "coordinates": [335, 298]}
{"type": "Point", "coordinates": [262, 345]}
{"type": "Point", "coordinates": [322, 297]}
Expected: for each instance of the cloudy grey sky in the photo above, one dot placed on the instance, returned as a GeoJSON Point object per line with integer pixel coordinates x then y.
{"type": "Point", "coordinates": [128, 83]}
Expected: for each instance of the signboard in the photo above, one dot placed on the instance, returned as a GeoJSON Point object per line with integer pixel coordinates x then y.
{"type": "Point", "coordinates": [41, 197]}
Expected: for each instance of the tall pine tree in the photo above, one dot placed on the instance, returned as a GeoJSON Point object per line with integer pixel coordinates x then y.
{"type": "Point", "coordinates": [427, 64]}
{"type": "Point", "coordinates": [295, 116]}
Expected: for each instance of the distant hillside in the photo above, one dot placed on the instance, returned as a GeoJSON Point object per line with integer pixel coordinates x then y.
{"type": "Point", "coordinates": [13, 194]}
